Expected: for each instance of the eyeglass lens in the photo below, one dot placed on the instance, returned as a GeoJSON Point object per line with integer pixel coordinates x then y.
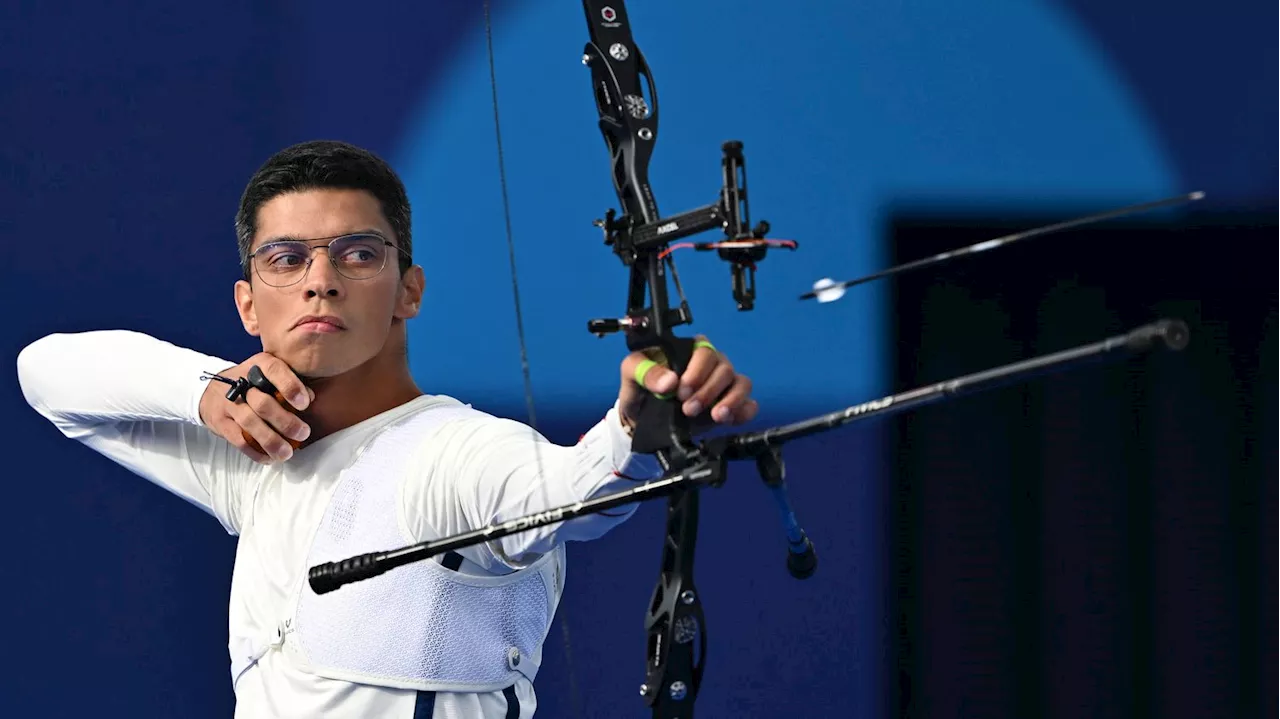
{"type": "Point", "coordinates": [356, 257]}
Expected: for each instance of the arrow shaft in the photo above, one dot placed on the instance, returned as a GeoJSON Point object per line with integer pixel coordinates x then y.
{"type": "Point", "coordinates": [1006, 240]}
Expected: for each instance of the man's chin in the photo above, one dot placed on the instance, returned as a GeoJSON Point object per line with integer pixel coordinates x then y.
{"type": "Point", "coordinates": [311, 364]}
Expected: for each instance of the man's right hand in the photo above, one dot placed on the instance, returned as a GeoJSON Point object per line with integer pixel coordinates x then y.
{"type": "Point", "coordinates": [260, 418]}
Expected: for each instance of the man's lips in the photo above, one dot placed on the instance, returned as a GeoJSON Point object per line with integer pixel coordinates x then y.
{"type": "Point", "coordinates": [320, 323]}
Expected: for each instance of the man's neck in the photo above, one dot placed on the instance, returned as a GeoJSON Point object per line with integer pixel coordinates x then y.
{"type": "Point", "coordinates": [381, 384]}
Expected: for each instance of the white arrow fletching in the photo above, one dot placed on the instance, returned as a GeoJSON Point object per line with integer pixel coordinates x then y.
{"type": "Point", "coordinates": [827, 290]}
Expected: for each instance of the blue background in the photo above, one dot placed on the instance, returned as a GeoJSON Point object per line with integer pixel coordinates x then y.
{"type": "Point", "coordinates": [126, 139]}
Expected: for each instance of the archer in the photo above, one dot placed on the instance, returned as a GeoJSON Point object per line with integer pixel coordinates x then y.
{"type": "Point", "coordinates": [351, 456]}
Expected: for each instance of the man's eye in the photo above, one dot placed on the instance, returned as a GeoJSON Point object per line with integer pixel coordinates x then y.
{"type": "Point", "coordinates": [284, 260]}
{"type": "Point", "coordinates": [361, 255]}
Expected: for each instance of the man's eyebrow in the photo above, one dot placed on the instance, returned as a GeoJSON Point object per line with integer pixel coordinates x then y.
{"type": "Point", "coordinates": [295, 238]}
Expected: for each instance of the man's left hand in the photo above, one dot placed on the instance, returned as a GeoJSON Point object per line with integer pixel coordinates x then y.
{"type": "Point", "coordinates": [708, 381]}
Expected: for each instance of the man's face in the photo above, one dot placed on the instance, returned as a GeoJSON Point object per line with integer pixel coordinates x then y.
{"type": "Point", "coordinates": [359, 314]}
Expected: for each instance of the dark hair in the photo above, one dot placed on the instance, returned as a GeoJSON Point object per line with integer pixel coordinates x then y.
{"type": "Point", "coordinates": [322, 164]}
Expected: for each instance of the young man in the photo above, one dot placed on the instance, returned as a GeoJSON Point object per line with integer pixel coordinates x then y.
{"type": "Point", "coordinates": [328, 286]}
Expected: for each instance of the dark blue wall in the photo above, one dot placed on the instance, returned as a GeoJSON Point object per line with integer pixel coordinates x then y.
{"type": "Point", "coordinates": [126, 137]}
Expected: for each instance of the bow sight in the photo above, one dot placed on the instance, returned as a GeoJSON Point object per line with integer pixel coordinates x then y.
{"type": "Point", "coordinates": [631, 238]}
{"type": "Point", "coordinates": [627, 103]}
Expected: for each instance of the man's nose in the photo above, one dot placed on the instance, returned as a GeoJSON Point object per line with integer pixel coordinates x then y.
{"type": "Point", "coordinates": [322, 279]}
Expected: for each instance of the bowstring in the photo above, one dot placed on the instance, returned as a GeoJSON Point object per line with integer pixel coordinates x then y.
{"type": "Point", "coordinates": [524, 351]}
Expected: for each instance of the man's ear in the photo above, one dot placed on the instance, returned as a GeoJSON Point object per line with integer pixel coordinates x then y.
{"type": "Point", "coordinates": [244, 304]}
{"type": "Point", "coordinates": [409, 300]}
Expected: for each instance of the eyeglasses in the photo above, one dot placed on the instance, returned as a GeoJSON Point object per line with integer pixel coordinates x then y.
{"type": "Point", "coordinates": [356, 257]}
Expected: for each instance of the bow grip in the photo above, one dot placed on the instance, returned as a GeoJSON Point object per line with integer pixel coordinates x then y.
{"type": "Point", "coordinates": [658, 421]}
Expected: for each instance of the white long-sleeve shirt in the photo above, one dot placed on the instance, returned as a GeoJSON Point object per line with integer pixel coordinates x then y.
{"type": "Point", "coordinates": [135, 399]}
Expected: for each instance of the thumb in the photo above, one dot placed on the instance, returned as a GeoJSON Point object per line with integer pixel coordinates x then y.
{"type": "Point", "coordinates": [660, 380]}
{"type": "Point", "coordinates": [642, 370]}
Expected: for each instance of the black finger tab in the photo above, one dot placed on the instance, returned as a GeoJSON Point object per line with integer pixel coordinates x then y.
{"type": "Point", "coordinates": [239, 389]}
{"type": "Point", "coordinates": [259, 380]}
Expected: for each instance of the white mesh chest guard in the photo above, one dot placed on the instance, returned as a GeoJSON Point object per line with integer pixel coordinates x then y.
{"type": "Point", "coordinates": [420, 626]}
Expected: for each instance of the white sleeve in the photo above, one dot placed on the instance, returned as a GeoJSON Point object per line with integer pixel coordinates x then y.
{"type": "Point", "coordinates": [136, 400]}
{"type": "Point", "coordinates": [475, 472]}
